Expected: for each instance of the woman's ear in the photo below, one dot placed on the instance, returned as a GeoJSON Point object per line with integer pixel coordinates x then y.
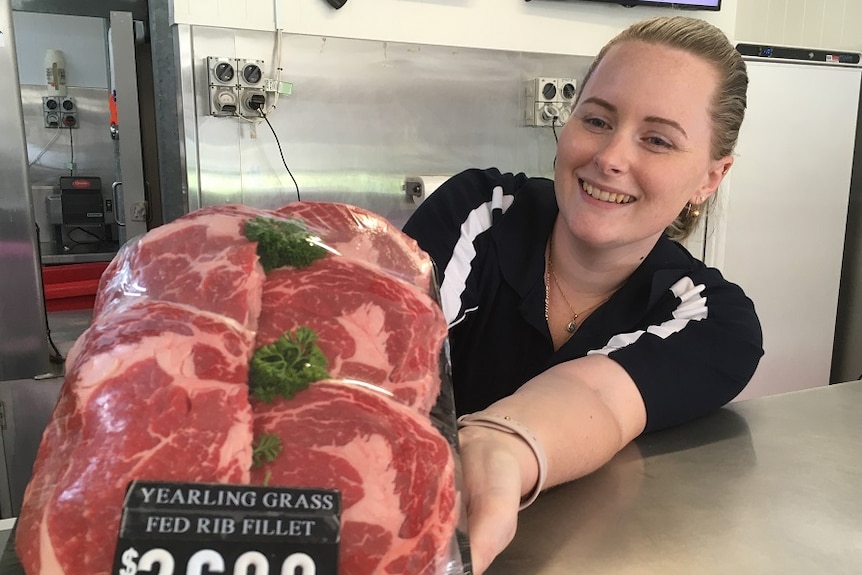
{"type": "Point", "coordinates": [718, 169]}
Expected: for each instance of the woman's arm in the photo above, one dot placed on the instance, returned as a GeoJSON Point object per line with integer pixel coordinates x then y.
{"type": "Point", "coordinates": [582, 412]}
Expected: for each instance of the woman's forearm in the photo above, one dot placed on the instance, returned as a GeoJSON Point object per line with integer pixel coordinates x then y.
{"type": "Point", "coordinates": [581, 412]}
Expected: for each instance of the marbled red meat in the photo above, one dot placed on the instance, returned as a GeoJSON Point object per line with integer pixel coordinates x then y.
{"type": "Point", "coordinates": [157, 391]}
{"type": "Point", "coordinates": [363, 235]}
{"type": "Point", "coordinates": [202, 259]}
{"type": "Point", "coordinates": [371, 327]}
{"type": "Point", "coordinates": [394, 470]}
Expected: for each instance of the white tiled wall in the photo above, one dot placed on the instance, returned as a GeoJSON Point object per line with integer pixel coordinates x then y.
{"type": "Point", "coordinates": [810, 23]}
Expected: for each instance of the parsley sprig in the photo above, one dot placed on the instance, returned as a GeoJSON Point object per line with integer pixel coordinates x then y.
{"type": "Point", "coordinates": [283, 242]}
{"type": "Point", "coordinates": [287, 365]}
{"type": "Point", "coordinates": [265, 449]}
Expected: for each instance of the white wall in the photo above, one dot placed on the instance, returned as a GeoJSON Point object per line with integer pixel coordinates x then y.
{"type": "Point", "coordinates": [82, 40]}
{"type": "Point", "coordinates": [558, 27]}
{"type": "Point", "coordinates": [833, 24]}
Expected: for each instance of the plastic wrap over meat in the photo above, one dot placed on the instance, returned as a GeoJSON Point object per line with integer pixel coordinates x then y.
{"type": "Point", "coordinates": [365, 236]}
{"type": "Point", "coordinates": [315, 327]}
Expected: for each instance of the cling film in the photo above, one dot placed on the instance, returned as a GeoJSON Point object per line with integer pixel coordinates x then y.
{"type": "Point", "coordinates": [302, 348]}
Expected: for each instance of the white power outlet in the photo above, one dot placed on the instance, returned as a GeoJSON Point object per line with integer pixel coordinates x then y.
{"type": "Point", "coordinates": [548, 101]}
{"type": "Point", "coordinates": [250, 101]}
{"type": "Point", "coordinates": [224, 100]}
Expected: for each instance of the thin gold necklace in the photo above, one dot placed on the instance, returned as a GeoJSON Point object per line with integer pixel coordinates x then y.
{"type": "Point", "coordinates": [572, 326]}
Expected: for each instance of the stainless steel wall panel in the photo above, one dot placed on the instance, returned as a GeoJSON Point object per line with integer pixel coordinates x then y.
{"type": "Point", "coordinates": [190, 195]}
{"type": "Point", "coordinates": [28, 405]}
{"type": "Point", "coordinates": [23, 334]}
{"type": "Point", "coordinates": [364, 115]}
{"type": "Point", "coordinates": [165, 48]}
{"type": "Point", "coordinates": [94, 150]}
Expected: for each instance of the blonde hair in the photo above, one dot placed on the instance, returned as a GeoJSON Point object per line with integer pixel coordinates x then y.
{"type": "Point", "coordinates": [727, 111]}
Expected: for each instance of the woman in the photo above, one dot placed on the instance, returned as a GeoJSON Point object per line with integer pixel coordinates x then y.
{"type": "Point", "coordinates": [576, 322]}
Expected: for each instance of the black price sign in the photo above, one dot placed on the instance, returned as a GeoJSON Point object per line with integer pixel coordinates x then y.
{"type": "Point", "coordinates": [205, 529]}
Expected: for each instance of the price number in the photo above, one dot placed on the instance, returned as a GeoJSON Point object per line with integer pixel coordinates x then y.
{"type": "Point", "coordinates": [134, 563]}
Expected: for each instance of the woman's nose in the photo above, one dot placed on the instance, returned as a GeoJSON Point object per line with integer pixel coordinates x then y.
{"type": "Point", "coordinates": [613, 156]}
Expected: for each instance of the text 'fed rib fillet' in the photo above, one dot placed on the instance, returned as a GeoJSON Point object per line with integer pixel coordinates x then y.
{"type": "Point", "coordinates": [394, 470]}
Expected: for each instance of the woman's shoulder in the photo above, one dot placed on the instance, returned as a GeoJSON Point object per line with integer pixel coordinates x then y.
{"type": "Point", "coordinates": [482, 185]}
{"type": "Point", "coordinates": [475, 199]}
{"type": "Point", "coordinates": [677, 274]}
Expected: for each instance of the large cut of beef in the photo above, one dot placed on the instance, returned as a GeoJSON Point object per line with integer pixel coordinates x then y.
{"type": "Point", "coordinates": [365, 236]}
{"type": "Point", "coordinates": [371, 327]}
{"type": "Point", "coordinates": [202, 259]}
{"type": "Point", "coordinates": [159, 392]}
{"type": "Point", "coordinates": [157, 389]}
{"type": "Point", "coordinates": [394, 470]}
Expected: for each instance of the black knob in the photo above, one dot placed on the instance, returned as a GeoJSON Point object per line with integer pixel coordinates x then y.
{"type": "Point", "coordinates": [224, 72]}
{"type": "Point", "coordinates": [252, 74]}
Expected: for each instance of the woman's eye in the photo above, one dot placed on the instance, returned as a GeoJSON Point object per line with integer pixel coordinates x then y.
{"type": "Point", "coordinates": [659, 142]}
{"type": "Point", "coordinates": [595, 123]}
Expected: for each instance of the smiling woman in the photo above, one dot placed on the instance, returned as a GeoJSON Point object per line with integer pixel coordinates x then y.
{"type": "Point", "coordinates": [631, 137]}
{"type": "Point", "coordinates": [576, 322]}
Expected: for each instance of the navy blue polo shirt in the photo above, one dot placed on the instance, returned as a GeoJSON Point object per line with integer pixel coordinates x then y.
{"type": "Point", "coordinates": [689, 338]}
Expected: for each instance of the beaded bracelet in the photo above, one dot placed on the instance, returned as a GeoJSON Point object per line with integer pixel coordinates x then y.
{"type": "Point", "coordinates": [507, 424]}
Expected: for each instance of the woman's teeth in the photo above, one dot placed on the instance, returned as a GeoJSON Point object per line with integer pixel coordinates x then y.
{"type": "Point", "coordinates": [604, 196]}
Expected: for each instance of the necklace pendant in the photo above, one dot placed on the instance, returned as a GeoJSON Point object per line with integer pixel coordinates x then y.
{"type": "Point", "coordinates": [571, 327]}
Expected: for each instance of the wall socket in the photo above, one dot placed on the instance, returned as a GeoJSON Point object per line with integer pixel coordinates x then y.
{"type": "Point", "coordinates": [237, 86]}
{"type": "Point", "coordinates": [60, 112]}
{"type": "Point", "coordinates": [548, 101]}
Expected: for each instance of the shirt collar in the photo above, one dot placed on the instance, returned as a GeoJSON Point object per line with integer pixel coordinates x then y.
{"type": "Point", "coordinates": [522, 263]}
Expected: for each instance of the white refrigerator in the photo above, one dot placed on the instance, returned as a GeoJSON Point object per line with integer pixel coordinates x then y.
{"type": "Point", "coordinates": [778, 229]}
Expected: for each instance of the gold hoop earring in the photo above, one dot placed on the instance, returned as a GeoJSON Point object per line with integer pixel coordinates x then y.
{"type": "Point", "coordinates": [692, 210]}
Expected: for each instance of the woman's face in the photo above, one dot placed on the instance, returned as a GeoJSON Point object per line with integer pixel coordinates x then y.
{"type": "Point", "coordinates": [637, 147]}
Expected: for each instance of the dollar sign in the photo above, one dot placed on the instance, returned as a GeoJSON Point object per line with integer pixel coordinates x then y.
{"type": "Point", "coordinates": [130, 566]}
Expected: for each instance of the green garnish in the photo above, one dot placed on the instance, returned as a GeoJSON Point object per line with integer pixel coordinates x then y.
{"type": "Point", "coordinates": [282, 243]}
{"type": "Point", "coordinates": [265, 450]}
{"type": "Point", "coordinates": [287, 365]}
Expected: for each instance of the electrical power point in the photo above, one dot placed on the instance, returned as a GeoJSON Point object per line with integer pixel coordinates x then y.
{"type": "Point", "coordinates": [60, 112]}
{"type": "Point", "coordinates": [548, 101]}
{"type": "Point", "coordinates": [252, 103]}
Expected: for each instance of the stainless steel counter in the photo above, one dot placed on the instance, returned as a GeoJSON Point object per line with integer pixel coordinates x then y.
{"type": "Point", "coordinates": [768, 485]}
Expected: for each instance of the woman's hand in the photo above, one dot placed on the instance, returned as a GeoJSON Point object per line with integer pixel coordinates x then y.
{"type": "Point", "coordinates": [496, 466]}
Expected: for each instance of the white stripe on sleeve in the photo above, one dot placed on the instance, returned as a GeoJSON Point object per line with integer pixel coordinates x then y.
{"type": "Point", "coordinates": [459, 266]}
{"type": "Point", "coordinates": [692, 307]}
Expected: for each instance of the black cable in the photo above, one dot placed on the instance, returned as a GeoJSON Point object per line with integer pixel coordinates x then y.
{"type": "Point", "coordinates": [72, 152]}
{"type": "Point", "coordinates": [86, 231]}
{"type": "Point", "coordinates": [283, 161]}
{"type": "Point", "coordinates": [556, 140]}
{"type": "Point", "coordinates": [55, 357]}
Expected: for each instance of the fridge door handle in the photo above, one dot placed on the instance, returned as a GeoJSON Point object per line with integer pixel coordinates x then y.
{"type": "Point", "coordinates": [117, 211]}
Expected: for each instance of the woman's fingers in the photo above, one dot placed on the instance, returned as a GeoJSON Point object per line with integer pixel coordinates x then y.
{"type": "Point", "coordinates": [492, 483]}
